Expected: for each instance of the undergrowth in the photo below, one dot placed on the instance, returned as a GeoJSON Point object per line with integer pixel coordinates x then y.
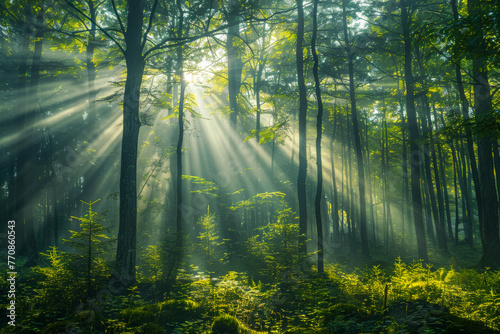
{"type": "Point", "coordinates": [280, 292]}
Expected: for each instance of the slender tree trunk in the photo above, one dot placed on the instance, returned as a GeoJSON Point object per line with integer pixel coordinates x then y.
{"type": "Point", "coordinates": [234, 63]}
{"type": "Point", "coordinates": [91, 70]}
{"type": "Point", "coordinates": [319, 132]}
{"type": "Point", "coordinates": [413, 129]}
{"type": "Point", "coordinates": [496, 158]}
{"type": "Point", "coordinates": [127, 232]}
{"type": "Point", "coordinates": [357, 140]}
{"type": "Point", "coordinates": [335, 200]}
{"type": "Point", "coordinates": [455, 173]}
{"type": "Point", "coordinates": [438, 222]}
{"type": "Point", "coordinates": [466, 191]}
{"type": "Point", "coordinates": [27, 159]}
{"type": "Point", "coordinates": [369, 183]}
{"type": "Point", "coordinates": [468, 131]}
{"type": "Point", "coordinates": [301, 180]}
{"type": "Point", "coordinates": [178, 151]}
{"type": "Point", "coordinates": [489, 224]}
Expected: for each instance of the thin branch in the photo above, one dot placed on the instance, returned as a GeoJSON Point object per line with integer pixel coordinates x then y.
{"type": "Point", "coordinates": [97, 25]}
{"type": "Point", "coordinates": [150, 24]}
{"type": "Point", "coordinates": [118, 17]}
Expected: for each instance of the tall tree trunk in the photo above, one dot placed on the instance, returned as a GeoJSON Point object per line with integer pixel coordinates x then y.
{"type": "Point", "coordinates": [127, 233]}
{"type": "Point", "coordinates": [357, 140]}
{"type": "Point", "coordinates": [413, 129]}
{"type": "Point", "coordinates": [27, 158]}
{"type": "Point", "coordinates": [234, 63]}
{"type": "Point", "coordinates": [369, 183]}
{"type": "Point", "coordinates": [427, 130]}
{"type": "Point", "coordinates": [466, 191]}
{"type": "Point", "coordinates": [178, 152]}
{"type": "Point", "coordinates": [91, 70]}
{"type": "Point", "coordinates": [319, 132]}
{"type": "Point", "coordinates": [301, 179]}
{"type": "Point", "coordinates": [335, 196]}
{"type": "Point", "coordinates": [489, 224]}
{"type": "Point", "coordinates": [471, 156]}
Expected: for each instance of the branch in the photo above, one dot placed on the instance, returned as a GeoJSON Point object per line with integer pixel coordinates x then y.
{"type": "Point", "coordinates": [161, 45]}
{"type": "Point", "coordinates": [97, 25]}
{"type": "Point", "coordinates": [150, 24]}
{"type": "Point", "coordinates": [118, 17]}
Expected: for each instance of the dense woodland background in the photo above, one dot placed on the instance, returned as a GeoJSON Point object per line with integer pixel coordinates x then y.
{"type": "Point", "coordinates": [160, 152]}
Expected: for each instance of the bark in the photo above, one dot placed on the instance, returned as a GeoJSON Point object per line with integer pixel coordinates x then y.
{"type": "Point", "coordinates": [301, 179]}
{"type": "Point", "coordinates": [319, 133]}
{"type": "Point", "coordinates": [357, 140]}
{"type": "Point", "coordinates": [335, 198]}
{"type": "Point", "coordinates": [91, 70]}
{"type": "Point", "coordinates": [127, 233]}
{"type": "Point", "coordinates": [488, 225]}
{"type": "Point", "coordinates": [414, 136]}
{"type": "Point", "coordinates": [468, 230]}
{"type": "Point", "coordinates": [471, 156]}
{"type": "Point", "coordinates": [27, 158]}
{"type": "Point", "coordinates": [234, 63]}
{"type": "Point", "coordinates": [436, 213]}
{"type": "Point", "coordinates": [178, 152]}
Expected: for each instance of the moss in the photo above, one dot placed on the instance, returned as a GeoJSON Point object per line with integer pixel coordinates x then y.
{"type": "Point", "coordinates": [150, 328]}
{"type": "Point", "coordinates": [455, 324]}
{"type": "Point", "coordinates": [58, 327]}
{"type": "Point", "coordinates": [342, 311]}
{"type": "Point", "coordinates": [177, 311]}
{"type": "Point", "coordinates": [225, 324]}
{"type": "Point", "coordinates": [136, 316]}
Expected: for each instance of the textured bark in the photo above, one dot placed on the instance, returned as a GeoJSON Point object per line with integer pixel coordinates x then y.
{"type": "Point", "coordinates": [301, 179]}
{"type": "Point", "coordinates": [414, 136]}
{"type": "Point", "coordinates": [471, 156]}
{"type": "Point", "coordinates": [488, 225]}
{"type": "Point", "coordinates": [178, 152]}
{"type": "Point", "coordinates": [127, 233]}
{"type": "Point", "coordinates": [335, 201]}
{"type": "Point", "coordinates": [438, 219]}
{"type": "Point", "coordinates": [357, 140]}
{"type": "Point", "coordinates": [319, 132]}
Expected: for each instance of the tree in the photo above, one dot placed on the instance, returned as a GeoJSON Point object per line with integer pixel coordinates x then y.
{"type": "Point", "coordinates": [319, 131]}
{"type": "Point", "coordinates": [483, 107]}
{"type": "Point", "coordinates": [413, 129]}
{"type": "Point", "coordinates": [301, 179]}
{"type": "Point", "coordinates": [357, 139]}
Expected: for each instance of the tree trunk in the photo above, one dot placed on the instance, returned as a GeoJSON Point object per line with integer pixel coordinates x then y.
{"type": "Point", "coordinates": [468, 131]}
{"type": "Point", "coordinates": [234, 63]}
{"type": "Point", "coordinates": [319, 132]}
{"type": "Point", "coordinates": [301, 179]}
{"type": "Point", "coordinates": [488, 225]}
{"type": "Point", "coordinates": [357, 140]}
{"type": "Point", "coordinates": [27, 159]}
{"type": "Point", "coordinates": [438, 222]}
{"type": "Point", "coordinates": [413, 129]}
{"type": "Point", "coordinates": [127, 233]}
{"type": "Point", "coordinates": [178, 152]}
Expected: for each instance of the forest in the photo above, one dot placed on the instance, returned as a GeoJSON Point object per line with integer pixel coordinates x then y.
{"type": "Point", "coordinates": [250, 166]}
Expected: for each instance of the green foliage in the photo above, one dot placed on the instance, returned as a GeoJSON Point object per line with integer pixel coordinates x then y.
{"type": "Point", "coordinates": [209, 247]}
{"type": "Point", "coordinates": [228, 324]}
{"type": "Point", "coordinates": [91, 245]}
{"type": "Point", "coordinates": [56, 280]}
{"type": "Point", "coordinates": [152, 268]}
{"type": "Point", "coordinates": [274, 251]}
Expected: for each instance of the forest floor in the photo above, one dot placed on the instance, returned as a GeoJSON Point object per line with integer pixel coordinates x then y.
{"type": "Point", "coordinates": [381, 295]}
